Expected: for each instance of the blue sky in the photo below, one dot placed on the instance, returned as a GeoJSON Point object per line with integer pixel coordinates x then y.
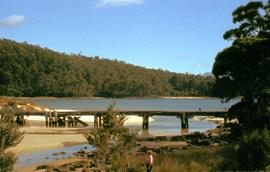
{"type": "Point", "coordinates": [174, 35]}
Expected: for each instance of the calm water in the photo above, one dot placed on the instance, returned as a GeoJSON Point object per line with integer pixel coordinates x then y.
{"type": "Point", "coordinates": [160, 124]}
{"type": "Point", "coordinates": [136, 104]}
{"type": "Point", "coordinates": [50, 155]}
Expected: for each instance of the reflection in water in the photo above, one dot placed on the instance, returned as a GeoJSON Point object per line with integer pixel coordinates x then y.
{"type": "Point", "coordinates": [184, 131]}
{"type": "Point", "coordinates": [145, 132]}
{"type": "Point", "coordinates": [50, 154]}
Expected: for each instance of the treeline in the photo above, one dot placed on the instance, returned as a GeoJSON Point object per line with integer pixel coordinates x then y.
{"type": "Point", "coordinates": [28, 70]}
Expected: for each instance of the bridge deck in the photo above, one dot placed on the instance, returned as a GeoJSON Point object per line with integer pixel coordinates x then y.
{"type": "Point", "coordinates": [132, 112]}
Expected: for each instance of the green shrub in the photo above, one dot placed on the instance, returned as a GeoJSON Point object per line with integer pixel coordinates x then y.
{"type": "Point", "coordinates": [228, 159]}
{"type": "Point", "coordinates": [254, 150]}
{"type": "Point", "coordinates": [7, 160]}
{"type": "Point", "coordinates": [9, 136]}
{"type": "Point", "coordinates": [112, 141]}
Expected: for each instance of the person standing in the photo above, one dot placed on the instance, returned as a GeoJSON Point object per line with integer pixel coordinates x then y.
{"type": "Point", "coordinates": [149, 161]}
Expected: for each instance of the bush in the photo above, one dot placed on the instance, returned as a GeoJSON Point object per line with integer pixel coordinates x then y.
{"type": "Point", "coordinates": [228, 159]}
{"type": "Point", "coordinates": [7, 160]}
{"type": "Point", "coordinates": [9, 136]}
{"type": "Point", "coordinates": [112, 141]}
{"type": "Point", "coordinates": [254, 151]}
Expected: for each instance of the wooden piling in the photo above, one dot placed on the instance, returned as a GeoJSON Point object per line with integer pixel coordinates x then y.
{"type": "Point", "coordinates": [95, 121]}
{"type": "Point", "coordinates": [56, 119]}
{"type": "Point", "coordinates": [100, 120]}
{"type": "Point", "coordinates": [46, 119]}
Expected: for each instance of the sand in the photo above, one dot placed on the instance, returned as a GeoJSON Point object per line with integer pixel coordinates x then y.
{"type": "Point", "coordinates": [39, 138]}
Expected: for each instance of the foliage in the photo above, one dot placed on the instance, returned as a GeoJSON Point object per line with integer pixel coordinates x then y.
{"type": "Point", "coordinates": [9, 136]}
{"type": "Point", "coordinates": [217, 158]}
{"type": "Point", "coordinates": [253, 20]}
{"type": "Point", "coordinates": [254, 151]}
{"type": "Point", "coordinates": [243, 69]}
{"type": "Point", "coordinates": [112, 141]}
{"type": "Point", "coordinates": [27, 70]}
{"type": "Point", "coordinates": [7, 160]}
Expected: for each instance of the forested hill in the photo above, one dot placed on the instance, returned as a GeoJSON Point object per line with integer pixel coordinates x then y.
{"type": "Point", "coordinates": [28, 70]}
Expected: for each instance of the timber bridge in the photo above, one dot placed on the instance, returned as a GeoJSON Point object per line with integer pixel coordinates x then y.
{"type": "Point", "coordinates": [57, 118]}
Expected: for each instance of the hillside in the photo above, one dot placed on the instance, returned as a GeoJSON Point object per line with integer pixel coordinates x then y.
{"type": "Point", "coordinates": [28, 70]}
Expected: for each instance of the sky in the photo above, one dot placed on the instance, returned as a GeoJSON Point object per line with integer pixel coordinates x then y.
{"type": "Point", "coordinates": [181, 36]}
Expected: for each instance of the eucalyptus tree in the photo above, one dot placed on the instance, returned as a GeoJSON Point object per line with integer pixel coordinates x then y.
{"type": "Point", "coordinates": [243, 69]}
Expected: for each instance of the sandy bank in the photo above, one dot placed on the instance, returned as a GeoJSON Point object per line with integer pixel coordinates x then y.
{"type": "Point", "coordinates": [37, 142]}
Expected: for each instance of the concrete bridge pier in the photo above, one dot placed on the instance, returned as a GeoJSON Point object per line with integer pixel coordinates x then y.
{"type": "Point", "coordinates": [145, 123]}
{"type": "Point", "coordinates": [100, 120]}
{"type": "Point", "coordinates": [56, 119]}
{"type": "Point", "coordinates": [184, 121]}
{"type": "Point", "coordinates": [64, 121]}
{"type": "Point", "coordinates": [46, 119]}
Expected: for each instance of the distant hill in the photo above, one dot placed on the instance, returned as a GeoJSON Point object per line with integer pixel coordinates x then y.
{"type": "Point", "coordinates": [28, 70]}
{"type": "Point", "coordinates": [208, 74]}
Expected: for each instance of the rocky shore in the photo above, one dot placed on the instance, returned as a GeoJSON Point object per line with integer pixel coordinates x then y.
{"type": "Point", "coordinates": [85, 160]}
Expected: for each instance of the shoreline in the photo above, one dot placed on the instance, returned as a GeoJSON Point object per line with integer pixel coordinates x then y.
{"type": "Point", "coordinates": [96, 98]}
{"type": "Point", "coordinates": [37, 137]}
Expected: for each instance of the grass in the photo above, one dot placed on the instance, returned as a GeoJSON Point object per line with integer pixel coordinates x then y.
{"type": "Point", "coordinates": [219, 158]}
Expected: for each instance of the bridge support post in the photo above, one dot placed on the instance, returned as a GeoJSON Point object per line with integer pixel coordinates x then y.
{"type": "Point", "coordinates": [184, 121]}
{"type": "Point", "coordinates": [46, 119]}
{"type": "Point", "coordinates": [145, 123]}
{"type": "Point", "coordinates": [56, 119]}
{"type": "Point", "coordinates": [95, 121]}
{"type": "Point", "coordinates": [100, 123]}
{"type": "Point", "coordinates": [98, 120]}
{"type": "Point", "coordinates": [64, 121]}
{"type": "Point", "coordinates": [50, 119]}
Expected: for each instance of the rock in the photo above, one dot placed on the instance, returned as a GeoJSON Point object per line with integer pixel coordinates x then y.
{"type": "Point", "coordinates": [80, 153]}
{"type": "Point", "coordinates": [72, 169]}
{"type": "Point", "coordinates": [90, 155]}
{"type": "Point", "coordinates": [184, 148]}
{"type": "Point", "coordinates": [177, 138]}
{"type": "Point", "coordinates": [156, 150]}
{"type": "Point", "coordinates": [143, 149]}
{"type": "Point", "coordinates": [203, 142]}
{"type": "Point", "coordinates": [161, 138]}
{"type": "Point", "coordinates": [215, 144]}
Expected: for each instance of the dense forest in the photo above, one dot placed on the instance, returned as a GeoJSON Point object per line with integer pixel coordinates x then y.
{"type": "Point", "coordinates": [28, 70]}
